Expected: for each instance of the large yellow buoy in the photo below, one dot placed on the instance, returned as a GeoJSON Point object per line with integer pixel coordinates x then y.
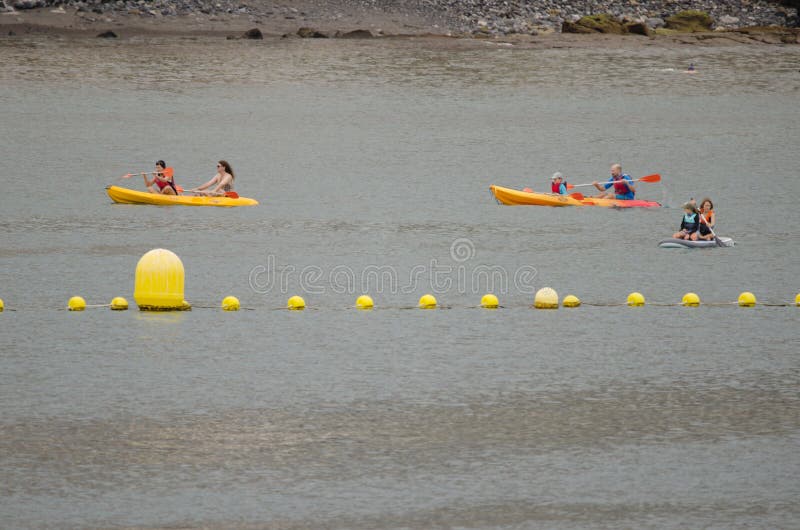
{"type": "Point", "coordinates": [747, 299]}
{"type": "Point", "coordinates": [635, 299]}
{"type": "Point", "coordinates": [3, 306]}
{"type": "Point", "coordinates": [571, 301]}
{"type": "Point", "coordinates": [546, 298]}
{"type": "Point", "coordinates": [364, 302]}
{"type": "Point", "coordinates": [797, 300]}
{"type": "Point", "coordinates": [230, 303]}
{"type": "Point", "coordinates": [296, 303]}
{"type": "Point", "coordinates": [690, 300]}
{"type": "Point", "coordinates": [159, 282]}
{"type": "Point", "coordinates": [76, 303]}
{"type": "Point", "coordinates": [427, 301]}
{"type": "Point", "coordinates": [490, 301]}
{"type": "Point", "coordinates": [119, 304]}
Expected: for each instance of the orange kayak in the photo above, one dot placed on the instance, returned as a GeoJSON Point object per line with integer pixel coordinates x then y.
{"type": "Point", "coordinates": [514, 197]}
{"type": "Point", "coordinates": [531, 198]}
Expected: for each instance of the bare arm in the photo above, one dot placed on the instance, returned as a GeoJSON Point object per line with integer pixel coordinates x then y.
{"type": "Point", "coordinates": [207, 184]}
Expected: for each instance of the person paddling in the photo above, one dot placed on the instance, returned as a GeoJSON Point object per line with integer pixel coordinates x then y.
{"type": "Point", "coordinates": [222, 182]}
{"type": "Point", "coordinates": [624, 188]}
{"type": "Point", "coordinates": [690, 223]}
{"type": "Point", "coordinates": [707, 219]}
{"type": "Point", "coordinates": [558, 184]}
{"type": "Point", "coordinates": [162, 179]}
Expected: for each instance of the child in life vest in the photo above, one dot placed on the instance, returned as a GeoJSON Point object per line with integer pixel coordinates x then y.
{"type": "Point", "coordinates": [690, 223]}
{"type": "Point", "coordinates": [559, 185]}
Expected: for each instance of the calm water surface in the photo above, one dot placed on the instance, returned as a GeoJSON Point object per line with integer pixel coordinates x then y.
{"type": "Point", "coordinates": [372, 163]}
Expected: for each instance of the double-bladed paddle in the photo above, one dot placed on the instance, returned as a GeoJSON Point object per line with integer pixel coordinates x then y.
{"type": "Point", "coordinates": [649, 178]}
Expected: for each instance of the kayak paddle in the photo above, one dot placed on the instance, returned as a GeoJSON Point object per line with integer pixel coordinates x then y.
{"type": "Point", "coordinates": [168, 172]}
{"type": "Point", "coordinates": [649, 178]}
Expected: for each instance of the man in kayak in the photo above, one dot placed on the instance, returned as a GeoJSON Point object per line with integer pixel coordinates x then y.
{"type": "Point", "coordinates": [558, 185]}
{"type": "Point", "coordinates": [624, 189]}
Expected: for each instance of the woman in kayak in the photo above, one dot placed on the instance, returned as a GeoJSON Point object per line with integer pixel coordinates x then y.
{"type": "Point", "coordinates": [162, 180]}
{"type": "Point", "coordinates": [707, 220]}
{"type": "Point", "coordinates": [558, 185]}
{"type": "Point", "coordinates": [624, 189]}
{"type": "Point", "coordinates": [690, 223]}
{"type": "Point", "coordinates": [221, 182]}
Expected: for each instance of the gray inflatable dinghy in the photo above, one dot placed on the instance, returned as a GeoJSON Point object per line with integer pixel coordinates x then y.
{"type": "Point", "coordinates": [683, 243]}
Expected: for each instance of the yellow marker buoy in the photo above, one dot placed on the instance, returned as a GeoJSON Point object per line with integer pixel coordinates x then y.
{"type": "Point", "coordinates": [427, 301]}
{"type": "Point", "coordinates": [635, 299]}
{"type": "Point", "coordinates": [490, 301]}
{"type": "Point", "coordinates": [797, 299]}
{"type": "Point", "coordinates": [571, 301]}
{"type": "Point", "coordinates": [230, 303]}
{"type": "Point", "coordinates": [546, 298]}
{"type": "Point", "coordinates": [747, 299]}
{"type": "Point", "coordinates": [76, 303]}
{"type": "Point", "coordinates": [296, 302]}
{"type": "Point", "coordinates": [364, 302]}
{"type": "Point", "coordinates": [159, 282]}
{"type": "Point", "coordinates": [3, 306]}
{"type": "Point", "coordinates": [690, 300]}
{"type": "Point", "coordinates": [119, 304]}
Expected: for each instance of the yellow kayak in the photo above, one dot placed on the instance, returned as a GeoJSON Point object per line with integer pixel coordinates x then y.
{"type": "Point", "coordinates": [517, 197]}
{"type": "Point", "coordinates": [126, 196]}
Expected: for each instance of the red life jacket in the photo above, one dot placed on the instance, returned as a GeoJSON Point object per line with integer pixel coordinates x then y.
{"type": "Point", "coordinates": [555, 187]}
{"type": "Point", "coordinates": [620, 188]}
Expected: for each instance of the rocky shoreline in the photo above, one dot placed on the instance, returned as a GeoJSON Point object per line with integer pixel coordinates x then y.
{"type": "Point", "coordinates": [366, 18]}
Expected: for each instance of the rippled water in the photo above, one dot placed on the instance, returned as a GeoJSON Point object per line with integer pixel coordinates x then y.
{"type": "Point", "coordinates": [372, 163]}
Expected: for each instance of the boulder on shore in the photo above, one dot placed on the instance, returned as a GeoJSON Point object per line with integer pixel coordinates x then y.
{"type": "Point", "coordinates": [311, 33]}
{"type": "Point", "coordinates": [604, 23]}
{"type": "Point", "coordinates": [254, 33]}
{"type": "Point", "coordinates": [355, 34]}
{"type": "Point", "coordinates": [690, 21]}
{"type": "Point", "coordinates": [638, 28]}
{"type": "Point", "coordinates": [107, 35]}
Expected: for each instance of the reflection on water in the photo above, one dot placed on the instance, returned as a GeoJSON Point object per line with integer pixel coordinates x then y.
{"type": "Point", "coordinates": [380, 154]}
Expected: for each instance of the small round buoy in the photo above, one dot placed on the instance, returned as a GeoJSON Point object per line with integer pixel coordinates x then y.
{"type": "Point", "coordinates": [296, 302]}
{"type": "Point", "coordinates": [747, 299]}
{"type": "Point", "coordinates": [119, 304]}
{"type": "Point", "coordinates": [690, 300]}
{"type": "Point", "coordinates": [490, 301]}
{"type": "Point", "coordinates": [364, 302]}
{"type": "Point", "coordinates": [76, 303]}
{"type": "Point", "coordinates": [546, 298]}
{"type": "Point", "coordinates": [230, 303]}
{"type": "Point", "coordinates": [427, 301]}
{"type": "Point", "coordinates": [635, 299]}
{"type": "Point", "coordinates": [571, 301]}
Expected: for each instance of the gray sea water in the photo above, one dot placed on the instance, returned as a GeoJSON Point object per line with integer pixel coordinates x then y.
{"type": "Point", "coordinates": [372, 162]}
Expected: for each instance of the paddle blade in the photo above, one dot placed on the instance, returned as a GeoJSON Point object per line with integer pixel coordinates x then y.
{"type": "Point", "coordinates": [651, 178]}
{"type": "Point", "coordinates": [570, 186]}
{"type": "Point", "coordinates": [527, 190]}
{"type": "Point", "coordinates": [179, 189]}
{"type": "Point", "coordinates": [577, 196]}
{"type": "Point", "coordinates": [232, 194]}
{"type": "Point", "coordinates": [168, 172]}
{"type": "Point", "coordinates": [129, 175]}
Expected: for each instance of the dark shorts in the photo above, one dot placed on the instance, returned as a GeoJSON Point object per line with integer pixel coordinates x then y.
{"type": "Point", "coordinates": [704, 230]}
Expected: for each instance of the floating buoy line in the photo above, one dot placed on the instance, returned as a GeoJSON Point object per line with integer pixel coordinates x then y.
{"type": "Point", "coordinates": [159, 282]}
